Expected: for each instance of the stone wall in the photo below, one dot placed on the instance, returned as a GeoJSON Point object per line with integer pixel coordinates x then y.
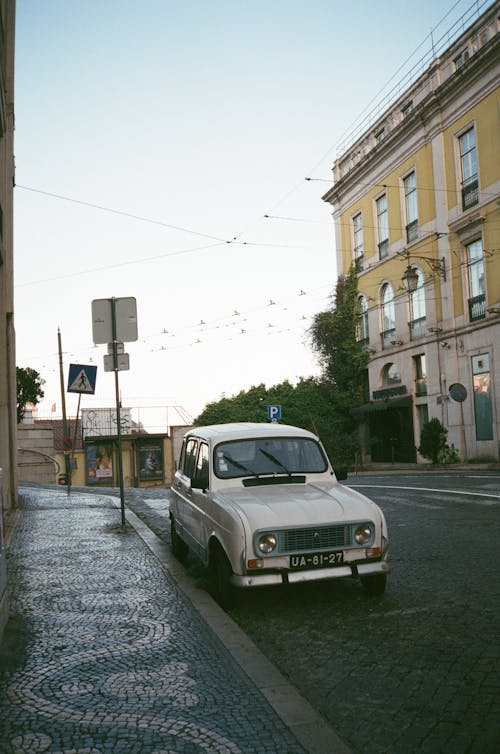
{"type": "Point", "coordinates": [35, 457]}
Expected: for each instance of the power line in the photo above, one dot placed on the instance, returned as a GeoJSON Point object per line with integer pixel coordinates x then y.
{"type": "Point", "coordinates": [118, 264]}
{"type": "Point", "coordinates": [123, 214]}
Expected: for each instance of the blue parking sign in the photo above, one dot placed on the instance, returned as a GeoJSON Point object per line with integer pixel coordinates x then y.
{"type": "Point", "coordinates": [274, 413]}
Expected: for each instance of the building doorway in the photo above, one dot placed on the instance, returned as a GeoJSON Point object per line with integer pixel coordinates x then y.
{"type": "Point", "coordinates": [391, 435]}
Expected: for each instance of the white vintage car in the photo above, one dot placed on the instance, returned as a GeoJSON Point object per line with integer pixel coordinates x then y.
{"type": "Point", "coordinates": [259, 504]}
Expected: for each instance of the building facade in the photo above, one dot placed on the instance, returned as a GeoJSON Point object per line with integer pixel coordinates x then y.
{"type": "Point", "coordinates": [416, 204]}
{"type": "Point", "coordinates": [8, 465]}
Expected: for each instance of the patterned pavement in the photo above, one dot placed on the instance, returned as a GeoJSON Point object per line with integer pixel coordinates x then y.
{"type": "Point", "coordinates": [104, 654]}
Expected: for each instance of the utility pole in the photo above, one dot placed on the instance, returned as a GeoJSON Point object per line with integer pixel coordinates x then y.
{"type": "Point", "coordinates": [67, 462]}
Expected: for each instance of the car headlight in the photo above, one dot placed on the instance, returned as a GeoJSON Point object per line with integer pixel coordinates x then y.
{"type": "Point", "coordinates": [267, 542]}
{"type": "Point", "coordinates": [363, 534]}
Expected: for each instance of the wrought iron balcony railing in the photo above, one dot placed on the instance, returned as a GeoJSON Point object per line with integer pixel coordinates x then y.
{"type": "Point", "coordinates": [417, 328]}
{"type": "Point", "coordinates": [470, 194]}
{"type": "Point", "coordinates": [388, 337]}
{"type": "Point", "coordinates": [412, 231]}
{"type": "Point", "coordinates": [477, 307]}
{"type": "Point", "coordinates": [421, 386]}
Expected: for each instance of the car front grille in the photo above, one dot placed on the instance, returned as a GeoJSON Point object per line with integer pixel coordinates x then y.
{"type": "Point", "coordinates": [318, 538]}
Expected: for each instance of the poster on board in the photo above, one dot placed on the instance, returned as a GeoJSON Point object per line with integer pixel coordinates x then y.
{"type": "Point", "coordinates": [99, 463]}
{"type": "Point", "coordinates": [150, 460]}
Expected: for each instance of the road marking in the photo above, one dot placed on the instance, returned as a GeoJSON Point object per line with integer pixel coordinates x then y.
{"type": "Point", "coordinates": [427, 489]}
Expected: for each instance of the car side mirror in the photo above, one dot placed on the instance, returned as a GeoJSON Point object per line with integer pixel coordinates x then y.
{"type": "Point", "coordinates": [340, 472]}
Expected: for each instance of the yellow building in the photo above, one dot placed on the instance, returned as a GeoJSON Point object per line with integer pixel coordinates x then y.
{"type": "Point", "coordinates": [416, 204]}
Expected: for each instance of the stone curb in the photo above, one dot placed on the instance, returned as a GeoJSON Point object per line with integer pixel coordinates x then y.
{"type": "Point", "coordinates": [308, 727]}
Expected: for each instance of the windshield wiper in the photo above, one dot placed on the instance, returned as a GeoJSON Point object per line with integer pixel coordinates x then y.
{"type": "Point", "coordinates": [275, 460]}
{"type": "Point", "coordinates": [239, 465]}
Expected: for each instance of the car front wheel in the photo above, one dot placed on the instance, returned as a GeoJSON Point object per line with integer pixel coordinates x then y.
{"type": "Point", "coordinates": [220, 573]}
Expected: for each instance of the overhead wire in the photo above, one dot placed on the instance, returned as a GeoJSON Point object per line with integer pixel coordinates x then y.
{"type": "Point", "coordinates": [122, 213]}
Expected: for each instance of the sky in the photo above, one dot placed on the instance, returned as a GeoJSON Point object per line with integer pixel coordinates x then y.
{"type": "Point", "coordinates": [162, 150]}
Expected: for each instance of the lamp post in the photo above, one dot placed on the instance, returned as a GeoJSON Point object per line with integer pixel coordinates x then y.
{"type": "Point", "coordinates": [410, 279]}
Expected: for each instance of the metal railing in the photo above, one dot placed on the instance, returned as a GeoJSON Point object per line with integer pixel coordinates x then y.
{"type": "Point", "coordinates": [387, 337]}
{"type": "Point", "coordinates": [470, 194]}
{"type": "Point", "coordinates": [436, 47]}
{"type": "Point", "coordinates": [417, 328]}
{"type": "Point", "coordinates": [477, 307]}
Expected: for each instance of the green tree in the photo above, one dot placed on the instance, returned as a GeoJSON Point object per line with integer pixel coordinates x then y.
{"type": "Point", "coordinates": [29, 389]}
{"type": "Point", "coordinates": [307, 404]}
{"type": "Point", "coordinates": [343, 363]}
{"type": "Point", "coordinates": [322, 405]}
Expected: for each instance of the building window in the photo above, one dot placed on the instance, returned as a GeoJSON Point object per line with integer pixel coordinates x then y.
{"type": "Point", "coordinates": [420, 372]}
{"type": "Point", "coordinates": [357, 226]}
{"type": "Point", "coordinates": [483, 409]}
{"type": "Point", "coordinates": [388, 316]}
{"type": "Point", "coordinates": [468, 162]}
{"type": "Point", "coordinates": [418, 311]}
{"type": "Point", "coordinates": [476, 280]}
{"type": "Point", "coordinates": [411, 206]}
{"type": "Point", "coordinates": [423, 415]}
{"type": "Point", "coordinates": [461, 59]}
{"type": "Point", "coordinates": [407, 109]}
{"type": "Point", "coordinates": [362, 334]}
{"type": "Point", "coordinates": [391, 375]}
{"type": "Point", "coordinates": [382, 226]}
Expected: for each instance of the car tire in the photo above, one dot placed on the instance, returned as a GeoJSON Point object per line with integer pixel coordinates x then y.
{"type": "Point", "coordinates": [179, 547]}
{"type": "Point", "coordinates": [374, 585]}
{"type": "Point", "coordinates": [220, 573]}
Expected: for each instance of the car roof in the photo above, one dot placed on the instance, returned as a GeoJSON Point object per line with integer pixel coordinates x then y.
{"type": "Point", "coordinates": [216, 433]}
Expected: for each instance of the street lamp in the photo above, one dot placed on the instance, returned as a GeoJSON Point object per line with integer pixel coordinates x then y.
{"type": "Point", "coordinates": [410, 279]}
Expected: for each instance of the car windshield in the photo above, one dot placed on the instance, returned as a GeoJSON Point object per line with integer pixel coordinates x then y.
{"type": "Point", "coordinates": [270, 455]}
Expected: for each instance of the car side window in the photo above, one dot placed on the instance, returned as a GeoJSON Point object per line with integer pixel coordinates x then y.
{"type": "Point", "coordinates": [188, 467]}
{"type": "Point", "coordinates": [201, 472]}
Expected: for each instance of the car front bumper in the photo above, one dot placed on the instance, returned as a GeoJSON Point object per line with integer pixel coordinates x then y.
{"type": "Point", "coordinates": [285, 576]}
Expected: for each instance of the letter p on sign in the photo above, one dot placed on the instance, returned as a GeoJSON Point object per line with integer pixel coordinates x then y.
{"type": "Point", "coordinates": [274, 413]}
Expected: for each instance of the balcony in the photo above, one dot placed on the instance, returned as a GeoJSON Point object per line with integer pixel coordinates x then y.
{"type": "Point", "coordinates": [417, 328]}
{"type": "Point", "coordinates": [412, 231]}
{"type": "Point", "coordinates": [470, 194]}
{"type": "Point", "coordinates": [383, 249]}
{"type": "Point", "coordinates": [477, 307]}
{"type": "Point", "coordinates": [364, 343]}
{"type": "Point", "coordinates": [420, 386]}
{"type": "Point", "coordinates": [388, 337]}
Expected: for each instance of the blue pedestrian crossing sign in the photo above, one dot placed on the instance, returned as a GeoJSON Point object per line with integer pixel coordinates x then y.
{"type": "Point", "coordinates": [81, 378]}
{"type": "Point", "coordinates": [274, 413]}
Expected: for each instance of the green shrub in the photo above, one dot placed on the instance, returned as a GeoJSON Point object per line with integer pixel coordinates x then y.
{"type": "Point", "coordinates": [448, 455]}
{"type": "Point", "coordinates": [433, 441]}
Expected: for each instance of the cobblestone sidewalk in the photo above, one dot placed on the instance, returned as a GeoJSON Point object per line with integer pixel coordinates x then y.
{"type": "Point", "coordinates": [103, 653]}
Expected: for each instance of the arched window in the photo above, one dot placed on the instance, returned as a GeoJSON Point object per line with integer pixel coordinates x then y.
{"type": "Point", "coordinates": [388, 316]}
{"type": "Point", "coordinates": [417, 304]}
{"type": "Point", "coordinates": [391, 375]}
{"type": "Point", "coordinates": [362, 334]}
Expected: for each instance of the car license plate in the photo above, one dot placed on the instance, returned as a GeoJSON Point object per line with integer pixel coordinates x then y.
{"type": "Point", "coordinates": [316, 560]}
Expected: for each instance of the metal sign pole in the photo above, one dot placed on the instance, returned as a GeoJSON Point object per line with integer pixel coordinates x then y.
{"type": "Point", "coordinates": [118, 417]}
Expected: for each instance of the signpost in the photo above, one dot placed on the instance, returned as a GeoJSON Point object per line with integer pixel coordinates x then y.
{"type": "Point", "coordinates": [274, 413]}
{"type": "Point", "coordinates": [81, 379]}
{"type": "Point", "coordinates": [114, 321]}
{"type": "Point", "coordinates": [459, 394]}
